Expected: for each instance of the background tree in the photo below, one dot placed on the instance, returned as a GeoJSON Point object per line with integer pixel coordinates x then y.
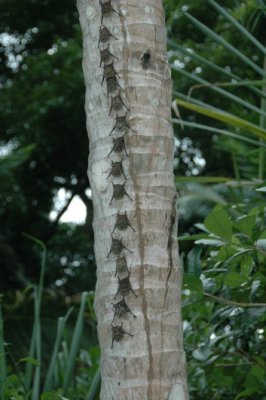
{"type": "Point", "coordinates": [38, 86]}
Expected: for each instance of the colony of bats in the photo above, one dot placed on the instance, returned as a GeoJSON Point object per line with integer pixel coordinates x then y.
{"type": "Point", "coordinates": [119, 110]}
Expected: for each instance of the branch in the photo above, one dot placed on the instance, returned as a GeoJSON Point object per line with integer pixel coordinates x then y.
{"type": "Point", "coordinates": [233, 303]}
{"type": "Point", "coordinates": [59, 215]}
{"type": "Point", "coordinates": [233, 364]}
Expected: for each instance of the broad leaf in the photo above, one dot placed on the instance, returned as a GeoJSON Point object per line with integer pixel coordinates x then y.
{"type": "Point", "coordinates": [194, 262]}
{"type": "Point", "coordinates": [233, 279]}
{"type": "Point", "coordinates": [261, 245]}
{"type": "Point", "coordinates": [261, 189]}
{"type": "Point", "coordinates": [193, 283]}
{"type": "Point", "coordinates": [219, 223]}
{"type": "Point", "coordinates": [246, 224]}
{"type": "Point", "coordinates": [210, 242]}
{"type": "Point", "coordinates": [202, 353]}
{"type": "Point", "coordinates": [30, 360]}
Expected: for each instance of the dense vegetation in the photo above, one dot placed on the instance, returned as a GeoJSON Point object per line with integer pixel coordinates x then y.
{"type": "Point", "coordinates": [220, 126]}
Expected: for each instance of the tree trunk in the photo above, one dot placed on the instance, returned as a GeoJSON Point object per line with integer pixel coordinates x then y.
{"type": "Point", "coordinates": [128, 107]}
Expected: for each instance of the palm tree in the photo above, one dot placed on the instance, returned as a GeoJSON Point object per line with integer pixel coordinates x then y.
{"type": "Point", "coordinates": [128, 107]}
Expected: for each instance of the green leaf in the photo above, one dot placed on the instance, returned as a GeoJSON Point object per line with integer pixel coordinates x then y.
{"type": "Point", "coordinates": [212, 129]}
{"type": "Point", "coordinates": [193, 283]}
{"type": "Point", "coordinates": [202, 353]}
{"type": "Point", "coordinates": [95, 385]}
{"type": "Point", "coordinates": [202, 227]}
{"type": "Point", "coordinates": [246, 393]}
{"type": "Point", "coordinates": [219, 223]}
{"type": "Point", "coordinates": [50, 373]}
{"type": "Point", "coordinates": [243, 31]}
{"type": "Point", "coordinates": [233, 279]}
{"type": "Point", "coordinates": [227, 118]}
{"type": "Point", "coordinates": [13, 382]}
{"type": "Point", "coordinates": [254, 211]}
{"type": "Point", "coordinates": [30, 360]}
{"type": "Point", "coordinates": [247, 264]}
{"type": "Point", "coordinates": [50, 396]}
{"type": "Point", "coordinates": [256, 314]}
{"type": "Point", "coordinates": [261, 189]}
{"type": "Point", "coordinates": [218, 38]}
{"type": "Point", "coordinates": [261, 245]}
{"type": "Point", "coordinates": [209, 284]}
{"type": "Point", "coordinates": [254, 287]}
{"type": "Point", "coordinates": [3, 370]}
{"type": "Point", "coordinates": [210, 242]}
{"type": "Point", "coordinates": [11, 394]}
{"type": "Point", "coordinates": [246, 224]}
{"type": "Point", "coordinates": [34, 239]}
{"type": "Point", "coordinates": [71, 358]}
{"type": "Point", "coordinates": [226, 252]}
{"type": "Point", "coordinates": [192, 237]}
{"type": "Point", "coordinates": [258, 372]}
{"type": "Point", "coordinates": [255, 383]}
{"type": "Point", "coordinates": [194, 262]}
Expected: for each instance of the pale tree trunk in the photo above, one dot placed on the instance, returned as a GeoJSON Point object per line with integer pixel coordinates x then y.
{"type": "Point", "coordinates": [137, 297]}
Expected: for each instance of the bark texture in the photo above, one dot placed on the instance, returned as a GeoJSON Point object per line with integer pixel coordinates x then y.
{"type": "Point", "coordinates": [128, 107]}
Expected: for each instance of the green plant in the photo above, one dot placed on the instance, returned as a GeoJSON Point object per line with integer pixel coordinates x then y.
{"type": "Point", "coordinates": [221, 66]}
{"type": "Point", "coordinates": [60, 379]}
{"type": "Point", "coordinates": [224, 303]}
{"type": "Point", "coordinates": [238, 103]}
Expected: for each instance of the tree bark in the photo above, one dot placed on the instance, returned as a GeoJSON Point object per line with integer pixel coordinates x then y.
{"type": "Point", "coordinates": [137, 298]}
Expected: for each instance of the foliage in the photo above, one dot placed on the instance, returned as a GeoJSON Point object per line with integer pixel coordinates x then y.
{"type": "Point", "coordinates": [225, 271]}
{"type": "Point", "coordinates": [218, 70]}
{"type": "Point", "coordinates": [225, 303]}
{"type": "Point", "coordinates": [54, 380]}
{"type": "Point", "coordinates": [42, 111]}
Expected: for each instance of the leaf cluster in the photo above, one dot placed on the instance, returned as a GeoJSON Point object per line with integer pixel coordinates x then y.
{"type": "Point", "coordinates": [224, 303]}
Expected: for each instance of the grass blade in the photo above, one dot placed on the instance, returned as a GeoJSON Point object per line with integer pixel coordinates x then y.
{"type": "Point", "coordinates": [56, 372]}
{"type": "Point", "coordinates": [194, 101]}
{"type": "Point", "coordinates": [191, 237]}
{"type": "Point", "coordinates": [95, 386]}
{"type": "Point", "coordinates": [227, 118]}
{"type": "Point", "coordinates": [43, 262]}
{"type": "Point", "coordinates": [48, 384]}
{"type": "Point", "coordinates": [61, 367]}
{"type": "Point", "coordinates": [75, 343]}
{"type": "Point", "coordinates": [220, 91]}
{"type": "Point", "coordinates": [37, 372]}
{"type": "Point", "coordinates": [238, 26]}
{"type": "Point", "coordinates": [221, 131]}
{"type": "Point", "coordinates": [247, 83]}
{"type": "Point", "coordinates": [201, 59]}
{"type": "Point", "coordinates": [36, 335]}
{"type": "Point", "coordinates": [29, 366]}
{"type": "Point", "coordinates": [262, 125]}
{"type": "Point", "coordinates": [2, 355]}
{"type": "Point", "coordinates": [65, 352]}
{"type": "Point", "coordinates": [213, 66]}
{"type": "Point", "coordinates": [208, 32]}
